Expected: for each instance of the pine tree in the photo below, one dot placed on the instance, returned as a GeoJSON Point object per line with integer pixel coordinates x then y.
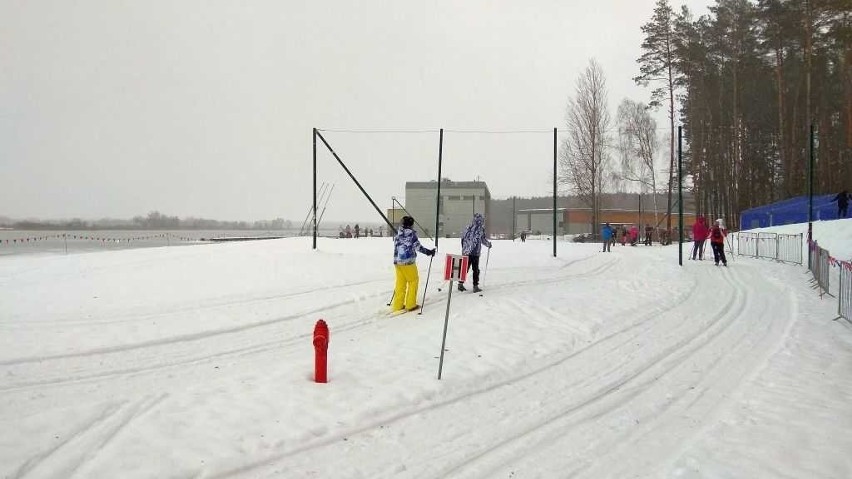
{"type": "Point", "coordinates": [657, 65]}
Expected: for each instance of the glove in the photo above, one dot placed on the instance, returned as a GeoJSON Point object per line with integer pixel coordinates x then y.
{"type": "Point", "coordinates": [430, 252]}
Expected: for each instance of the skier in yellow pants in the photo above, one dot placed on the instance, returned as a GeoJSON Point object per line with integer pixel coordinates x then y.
{"type": "Point", "coordinates": [406, 244]}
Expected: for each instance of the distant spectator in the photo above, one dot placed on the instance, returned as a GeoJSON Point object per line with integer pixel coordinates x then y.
{"type": "Point", "coordinates": [606, 236]}
{"type": "Point", "coordinates": [649, 231]}
{"type": "Point", "coordinates": [348, 231]}
{"type": "Point", "coordinates": [523, 236]}
{"type": "Point", "coordinates": [634, 235]}
{"type": "Point", "coordinates": [357, 231]}
{"type": "Point", "coordinates": [842, 200]}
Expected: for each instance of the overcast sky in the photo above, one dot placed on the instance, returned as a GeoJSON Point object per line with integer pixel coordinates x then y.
{"type": "Point", "coordinates": [115, 108]}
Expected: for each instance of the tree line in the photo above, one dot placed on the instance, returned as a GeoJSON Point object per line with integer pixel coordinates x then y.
{"type": "Point", "coordinates": [153, 221]}
{"type": "Point", "coordinates": [747, 82]}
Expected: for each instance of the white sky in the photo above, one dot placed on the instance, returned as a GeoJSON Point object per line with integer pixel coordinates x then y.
{"type": "Point", "coordinates": [197, 108]}
{"type": "Point", "coordinates": [197, 361]}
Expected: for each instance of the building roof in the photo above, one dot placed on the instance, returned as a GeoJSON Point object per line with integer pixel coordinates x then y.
{"type": "Point", "coordinates": [446, 184]}
{"type": "Point", "coordinates": [540, 210]}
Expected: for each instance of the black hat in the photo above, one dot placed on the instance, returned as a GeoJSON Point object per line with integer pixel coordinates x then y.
{"type": "Point", "coordinates": [407, 222]}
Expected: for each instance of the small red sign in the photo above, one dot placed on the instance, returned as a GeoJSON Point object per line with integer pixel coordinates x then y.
{"type": "Point", "coordinates": [455, 268]}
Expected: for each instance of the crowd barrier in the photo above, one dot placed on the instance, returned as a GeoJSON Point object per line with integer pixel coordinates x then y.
{"type": "Point", "coordinates": [821, 264]}
{"type": "Point", "coordinates": [96, 238]}
{"type": "Point", "coordinates": [779, 247]}
{"type": "Point", "coordinates": [844, 297]}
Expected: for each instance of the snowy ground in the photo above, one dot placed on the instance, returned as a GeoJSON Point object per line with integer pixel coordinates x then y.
{"type": "Point", "coordinates": [197, 362]}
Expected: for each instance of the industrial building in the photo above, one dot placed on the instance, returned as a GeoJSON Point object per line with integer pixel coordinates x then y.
{"type": "Point", "coordinates": [459, 201]}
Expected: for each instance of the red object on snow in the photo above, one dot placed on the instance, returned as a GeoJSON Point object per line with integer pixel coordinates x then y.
{"type": "Point", "coordinates": [321, 352]}
{"type": "Point", "coordinates": [455, 268]}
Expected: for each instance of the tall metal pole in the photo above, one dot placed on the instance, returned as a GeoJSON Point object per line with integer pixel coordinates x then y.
{"type": "Point", "coordinates": [437, 233]}
{"type": "Point", "coordinates": [514, 217]}
{"type": "Point", "coordinates": [680, 194]}
{"type": "Point", "coordinates": [444, 336]}
{"type": "Point", "coordinates": [315, 189]}
{"type": "Point", "coordinates": [554, 192]}
{"type": "Point", "coordinates": [438, 203]}
{"type": "Point", "coordinates": [811, 193]}
{"type": "Point", "coordinates": [376, 207]}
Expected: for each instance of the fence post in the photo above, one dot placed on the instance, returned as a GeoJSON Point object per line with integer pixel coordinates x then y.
{"type": "Point", "coordinates": [777, 246]}
{"type": "Point", "coordinates": [757, 246]}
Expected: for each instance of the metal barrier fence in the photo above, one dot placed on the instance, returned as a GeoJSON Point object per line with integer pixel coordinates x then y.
{"type": "Point", "coordinates": [820, 266]}
{"type": "Point", "coordinates": [780, 247]}
{"type": "Point", "coordinates": [844, 297]}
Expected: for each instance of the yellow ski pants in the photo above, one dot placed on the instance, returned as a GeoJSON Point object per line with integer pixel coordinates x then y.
{"type": "Point", "coordinates": [407, 281]}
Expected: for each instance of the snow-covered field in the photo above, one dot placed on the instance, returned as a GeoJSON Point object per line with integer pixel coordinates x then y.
{"type": "Point", "coordinates": [197, 362]}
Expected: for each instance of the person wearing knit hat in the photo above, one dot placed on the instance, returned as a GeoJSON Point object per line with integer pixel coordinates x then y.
{"type": "Point", "coordinates": [473, 237]}
{"type": "Point", "coordinates": [406, 245]}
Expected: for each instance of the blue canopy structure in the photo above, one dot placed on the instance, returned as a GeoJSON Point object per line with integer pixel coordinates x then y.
{"type": "Point", "coordinates": [789, 211]}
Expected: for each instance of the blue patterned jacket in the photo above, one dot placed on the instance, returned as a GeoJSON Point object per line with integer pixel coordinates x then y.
{"type": "Point", "coordinates": [473, 236]}
{"type": "Point", "coordinates": [406, 245]}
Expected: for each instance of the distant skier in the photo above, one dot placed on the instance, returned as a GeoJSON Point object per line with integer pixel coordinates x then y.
{"type": "Point", "coordinates": [699, 236]}
{"type": "Point", "coordinates": [405, 248]}
{"type": "Point", "coordinates": [473, 237]}
{"type": "Point", "coordinates": [606, 236]}
{"type": "Point", "coordinates": [634, 235]}
{"type": "Point", "coordinates": [357, 231]}
{"type": "Point", "coordinates": [717, 242]}
{"type": "Point", "coordinates": [842, 200]}
{"type": "Point", "coordinates": [523, 236]}
{"type": "Point", "coordinates": [649, 231]}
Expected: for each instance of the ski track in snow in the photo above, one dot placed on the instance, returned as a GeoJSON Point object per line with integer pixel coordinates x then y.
{"type": "Point", "coordinates": [694, 370]}
{"type": "Point", "coordinates": [649, 385]}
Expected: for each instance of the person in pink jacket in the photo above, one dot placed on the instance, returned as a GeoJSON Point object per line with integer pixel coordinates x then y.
{"type": "Point", "coordinates": [699, 236]}
{"type": "Point", "coordinates": [717, 242]}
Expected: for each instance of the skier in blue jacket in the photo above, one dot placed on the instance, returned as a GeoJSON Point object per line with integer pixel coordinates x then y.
{"type": "Point", "coordinates": [473, 237]}
{"type": "Point", "coordinates": [405, 248]}
{"type": "Point", "coordinates": [606, 236]}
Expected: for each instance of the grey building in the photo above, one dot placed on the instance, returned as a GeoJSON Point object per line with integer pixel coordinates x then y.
{"type": "Point", "coordinates": [459, 201]}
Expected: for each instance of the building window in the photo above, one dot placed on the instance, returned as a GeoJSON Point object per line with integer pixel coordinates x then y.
{"type": "Point", "coordinates": [451, 198]}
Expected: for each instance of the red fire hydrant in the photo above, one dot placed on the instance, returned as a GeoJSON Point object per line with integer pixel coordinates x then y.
{"type": "Point", "coordinates": [320, 352]}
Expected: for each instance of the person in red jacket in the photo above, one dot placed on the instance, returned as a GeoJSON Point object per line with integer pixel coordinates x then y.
{"type": "Point", "coordinates": [634, 235]}
{"type": "Point", "coordinates": [699, 236]}
{"type": "Point", "coordinates": [717, 242]}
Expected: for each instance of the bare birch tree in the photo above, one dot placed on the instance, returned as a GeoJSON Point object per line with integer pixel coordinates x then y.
{"type": "Point", "coordinates": [583, 159]}
{"type": "Point", "coordinates": [637, 145]}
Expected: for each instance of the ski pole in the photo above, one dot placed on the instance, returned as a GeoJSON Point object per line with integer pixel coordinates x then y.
{"type": "Point", "coordinates": [426, 288]}
{"type": "Point", "coordinates": [392, 295]}
{"type": "Point", "coordinates": [487, 257]}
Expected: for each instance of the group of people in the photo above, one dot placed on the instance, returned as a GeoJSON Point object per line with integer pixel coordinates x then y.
{"type": "Point", "coordinates": [716, 234]}
{"type": "Point", "coordinates": [406, 246]}
{"type": "Point", "coordinates": [348, 232]}
{"type": "Point", "coordinates": [631, 235]}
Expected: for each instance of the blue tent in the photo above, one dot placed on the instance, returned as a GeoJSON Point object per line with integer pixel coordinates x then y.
{"type": "Point", "coordinates": [789, 211]}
